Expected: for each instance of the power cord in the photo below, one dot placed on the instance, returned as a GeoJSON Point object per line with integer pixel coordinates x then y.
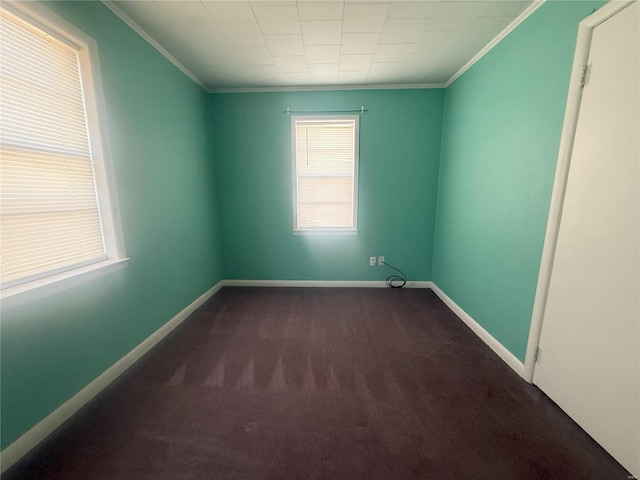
{"type": "Point", "coordinates": [393, 280]}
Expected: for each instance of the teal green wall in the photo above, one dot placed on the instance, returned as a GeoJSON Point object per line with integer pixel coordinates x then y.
{"type": "Point", "coordinates": [502, 126]}
{"type": "Point", "coordinates": [160, 136]}
{"type": "Point", "coordinates": [477, 233]}
{"type": "Point", "coordinates": [398, 174]}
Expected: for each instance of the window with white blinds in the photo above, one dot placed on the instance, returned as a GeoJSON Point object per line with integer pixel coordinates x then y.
{"type": "Point", "coordinates": [325, 161]}
{"type": "Point", "coordinates": [50, 220]}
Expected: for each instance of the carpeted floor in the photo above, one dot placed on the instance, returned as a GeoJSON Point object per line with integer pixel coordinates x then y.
{"type": "Point", "coordinates": [321, 384]}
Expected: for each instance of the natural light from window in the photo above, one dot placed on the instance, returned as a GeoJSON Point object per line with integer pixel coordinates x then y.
{"type": "Point", "coordinates": [56, 215]}
{"type": "Point", "coordinates": [325, 159]}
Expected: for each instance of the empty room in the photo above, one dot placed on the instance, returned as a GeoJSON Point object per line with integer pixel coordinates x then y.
{"type": "Point", "coordinates": [346, 239]}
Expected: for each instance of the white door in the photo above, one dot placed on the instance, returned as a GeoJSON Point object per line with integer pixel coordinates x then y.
{"type": "Point", "coordinates": [589, 361]}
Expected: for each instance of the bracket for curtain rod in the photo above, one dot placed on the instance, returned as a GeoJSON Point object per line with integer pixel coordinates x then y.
{"type": "Point", "coordinates": [360, 110]}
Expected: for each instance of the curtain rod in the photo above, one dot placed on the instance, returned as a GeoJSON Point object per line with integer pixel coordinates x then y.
{"type": "Point", "coordinates": [362, 109]}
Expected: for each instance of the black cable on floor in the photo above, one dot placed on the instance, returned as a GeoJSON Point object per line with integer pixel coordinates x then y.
{"type": "Point", "coordinates": [392, 280]}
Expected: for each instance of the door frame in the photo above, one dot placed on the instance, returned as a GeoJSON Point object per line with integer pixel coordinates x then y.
{"type": "Point", "coordinates": [572, 111]}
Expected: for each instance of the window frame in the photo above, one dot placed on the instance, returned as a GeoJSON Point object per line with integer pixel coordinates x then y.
{"type": "Point", "coordinates": [352, 230]}
{"type": "Point", "coordinates": [44, 19]}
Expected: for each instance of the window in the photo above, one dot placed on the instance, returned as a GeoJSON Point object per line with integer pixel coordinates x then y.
{"type": "Point", "coordinates": [56, 215]}
{"type": "Point", "coordinates": [325, 173]}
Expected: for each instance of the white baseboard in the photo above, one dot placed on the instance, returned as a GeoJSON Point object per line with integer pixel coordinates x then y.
{"type": "Point", "coordinates": [500, 350]}
{"type": "Point", "coordinates": [319, 283]}
{"type": "Point", "coordinates": [29, 440]}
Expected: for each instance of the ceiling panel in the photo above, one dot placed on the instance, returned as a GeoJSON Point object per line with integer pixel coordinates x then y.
{"type": "Point", "coordinates": [393, 52]}
{"type": "Point", "coordinates": [437, 41]}
{"type": "Point", "coordinates": [250, 56]}
{"type": "Point", "coordinates": [355, 62]}
{"type": "Point", "coordinates": [246, 75]}
{"type": "Point", "coordinates": [285, 44]}
{"type": "Point", "coordinates": [291, 64]}
{"type": "Point", "coordinates": [499, 9]}
{"type": "Point", "coordinates": [288, 43]}
{"type": "Point", "coordinates": [244, 34]}
{"type": "Point", "coordinates": [322, 54]}
{"type": "Point", "coordinates": [322, 32]}
{"type": "Point", "coordinates": [320, 10]}
{"type": "Point", "coordinates": [295, 78]}
{"type": "Point", "coordinates": [180, 13]}
{"type": "Point", "coordinates": [355, 43]}
{"type": "Point", "coordinates": [405, 30]}
{"type": "Point", "coordinates": [365, 17]}
{"type": "Point", "coordinates": [323, 70]}
{"type": "Point", "coordinates": [412, 9]}
{"type": "Point", "coordinates": [237, 11]}
{"type": "Point", "coordinates": [277, 20]}
{"type": "Point", "coordinates": [353, 77]}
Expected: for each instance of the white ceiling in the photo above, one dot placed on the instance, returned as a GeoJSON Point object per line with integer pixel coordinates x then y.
{"type": "Point", "coordinates": [270, 44]}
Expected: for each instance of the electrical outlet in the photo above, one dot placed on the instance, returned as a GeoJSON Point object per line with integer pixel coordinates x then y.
{"type": "Point", "coordinates": [381, 260]}
{"type": "Point", "coordinates": [372, 261]}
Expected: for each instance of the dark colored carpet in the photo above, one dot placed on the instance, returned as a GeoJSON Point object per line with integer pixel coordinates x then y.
{"type": "Point", "coordinates": [322, 384]}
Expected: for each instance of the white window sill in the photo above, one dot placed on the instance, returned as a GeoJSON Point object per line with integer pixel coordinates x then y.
{"type": "Point", "coordinates": [26, 293]}
{"type": "Point", "coordinates": [327, 231]}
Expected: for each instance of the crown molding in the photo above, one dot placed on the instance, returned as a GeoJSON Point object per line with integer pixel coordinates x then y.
{"type": "Point", "coordinates": [312, 88]}
{"type": "Point", "coordinates": [510, 28]}
{"type": "Point", "coordinates": [126, 19]}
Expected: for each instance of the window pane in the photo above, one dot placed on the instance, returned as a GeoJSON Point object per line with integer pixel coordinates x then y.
{"type": "Point", "coordinates": [325, 156]}
{"type": "Point", "coordinates": [49, 215]}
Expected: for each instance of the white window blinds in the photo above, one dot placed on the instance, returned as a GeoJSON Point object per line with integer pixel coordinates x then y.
{"type": "Point", "coordinates": [325, 173]}
{"type": "Point", "coordinates": [49, 216]}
